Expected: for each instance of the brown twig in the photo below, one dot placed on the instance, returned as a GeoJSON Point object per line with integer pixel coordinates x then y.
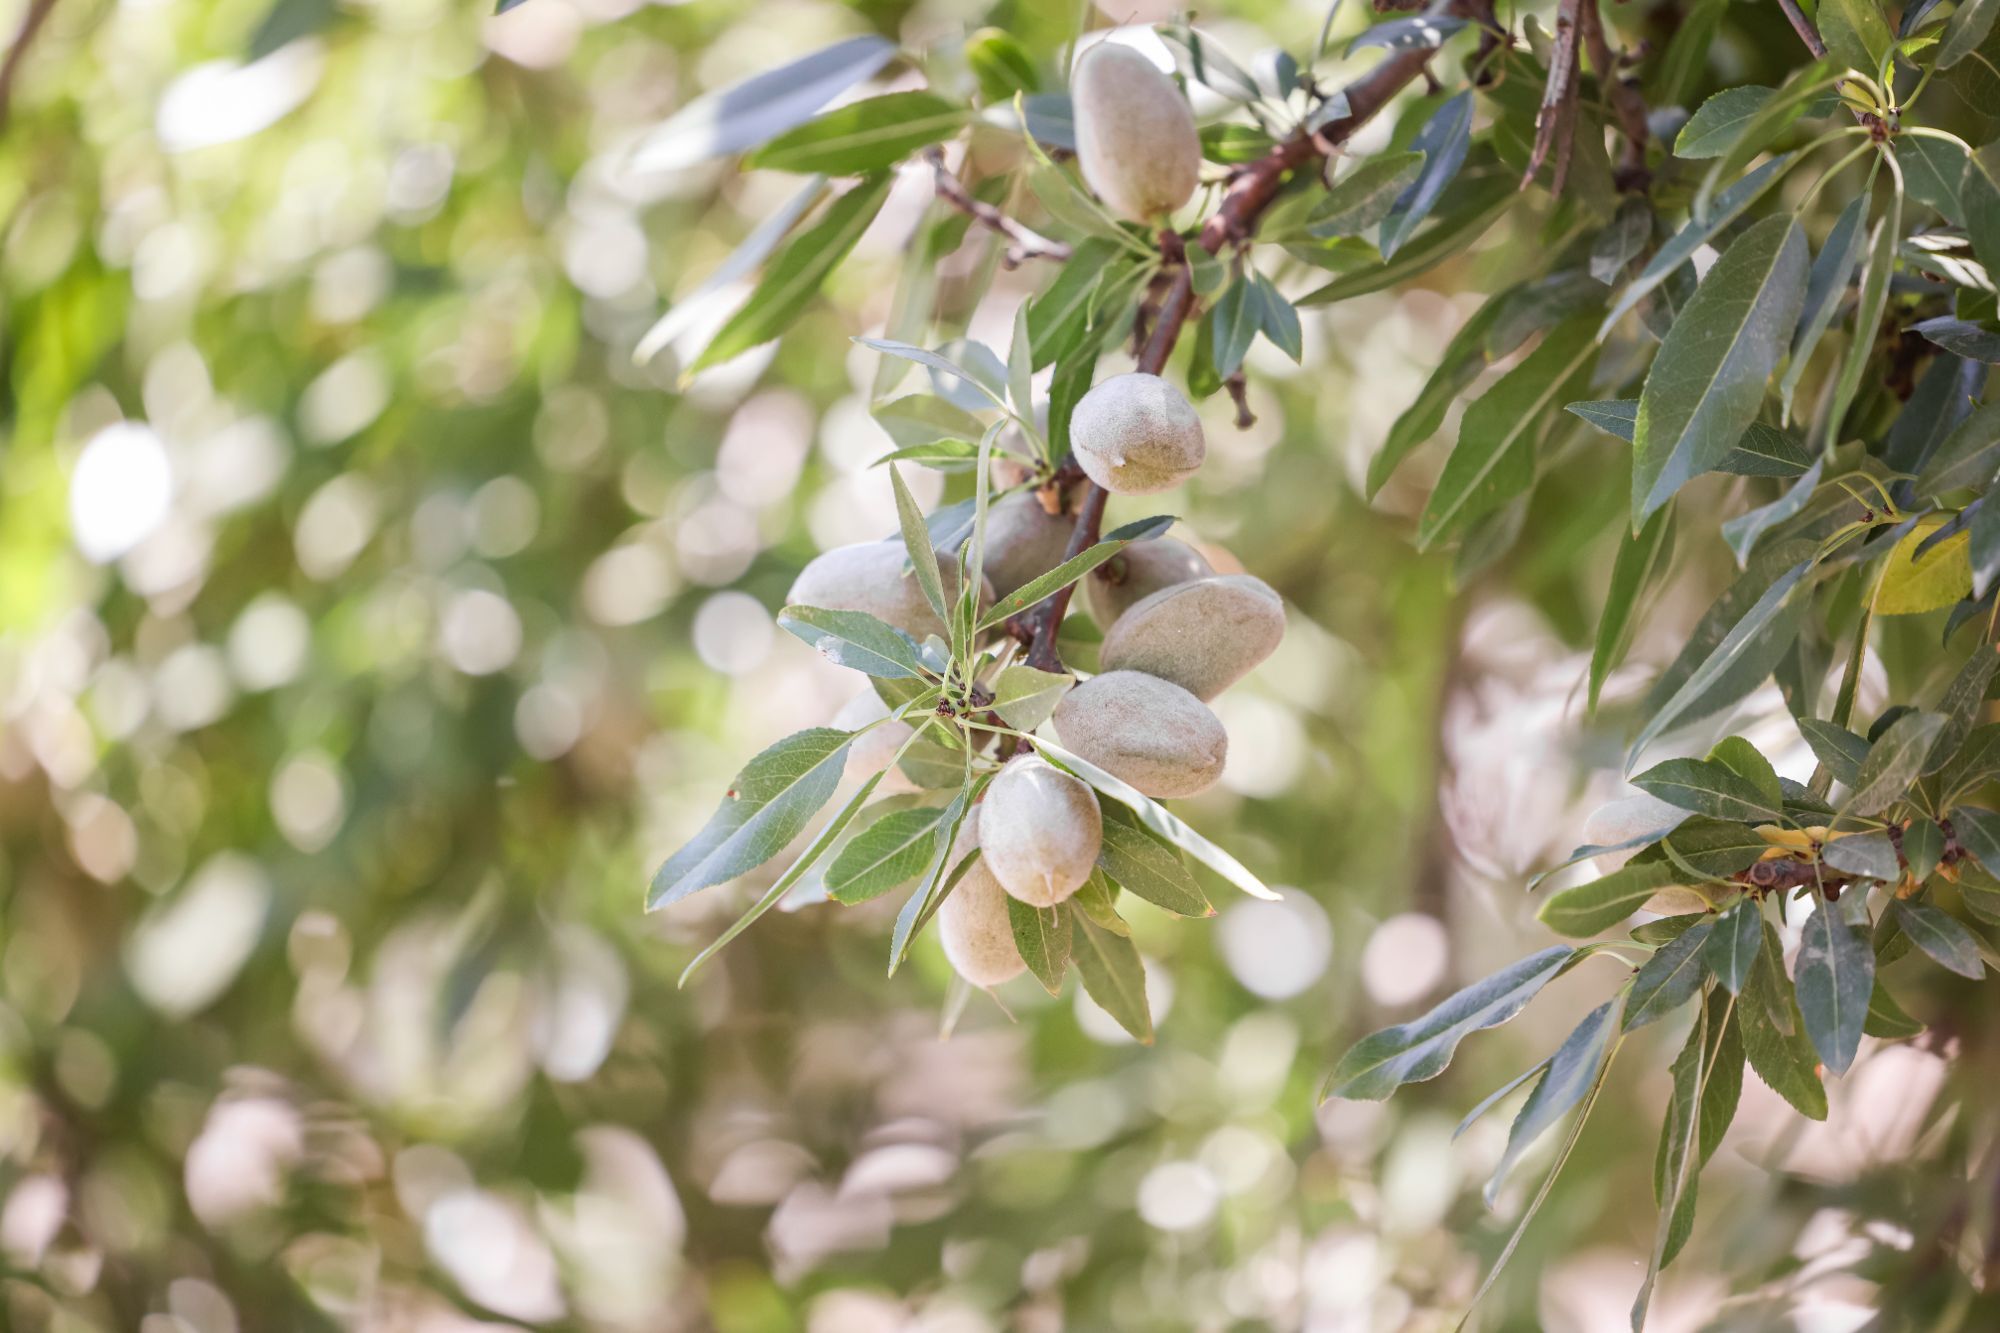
{"type": "Point", "coordinates": [1623, 94]}
{"type": "Point", "coordinates": [31, 24]}
{"type": "Point", "coordinates": [1024, 243]}
{"type": "Point", "coordinates": [1555, 124]}
{"type": "Point", "coordinates": [1803, 26]}
{"type": "Point", "coordinates": [1787, 873]}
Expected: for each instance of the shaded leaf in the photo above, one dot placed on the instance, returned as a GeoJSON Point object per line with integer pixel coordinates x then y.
{"type": "Point", "coordinates": [1731, 950]}
{"type": "Point", "coordinates": [769, 803]}
{"type": "Point", "coordinates": [1147, 868]}
{"type": "Point", "coordinates": [1708, 788]}
{"type": "Point", "coordinates": [886, 855]}
{"type": "Point", "coordinates": [1893, 763]}
{"type": "Point", "coordinates": [1113, 975]}
{"type": "Point", "coordinates": [854, 639]}
{"type": "Point", "coordinates": [1940, 935]}
{"type": "Point", "coordinates": [1836, 973]}
{"type": "Point", "coordinates": [1572, 1072]}
{"type": "Point", "coordinates": [1044, 935]}
{"type": "Point", "coordinates": [1601, 904]}
{"type": "Point", "coordinates": [1669, 978]}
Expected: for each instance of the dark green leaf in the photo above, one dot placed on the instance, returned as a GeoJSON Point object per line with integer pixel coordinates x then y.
{"type": "Point", "coordinates": [1893, 763]}
{"type": "Point", "coordinates": [872, 134]}
{"type": "Point", "coordinates": [1939, 935]}
{"type": "Point", "coordinates": [1418, 1050]}
{"type": "Point", "coordinates": [1708, 788]}
{"type": "Point", "coordinates": [1643, 559]}
{"type": "Point", "coordinates": [1869, 855]}
{"type": "Point", "coordinates": [1363, 197]}
{"type": "Point", "coordinates": [1856, 32]}
{"type": "Point", "coordinates": [1713, 128]}
{"type": "Point", "coordinates": [1838, 748]}
{"type": "Point", "coordinates": [1707, 381]}
{"type": "Point", "coordinates": [1886, 1018]}
{"type": "Point", "coordinates": [1670, 977]}
{"type": "Point", "coordinates": [1074, 568]}
{"type": "Point", "coordinates": [1601, 904]}
{"type": "Point", "coordinates": [1836, 973]}
{"type": "Point", "coordinates": [886, 855]}
{"type": "Point", "coordinates": [1969, 456]}
{"type": "Point", "coordinates": [1826, 286]}
{"type": "Point", "coordinates": [1456, 228]}
{"type": "Point", "coordinates": [795, 276]}
{"type": "Point", "coordinates": [1966, 31]}
{"type": "Point", "coordinates": [1114, 976]}
{"type": "Point", "coordinates": [1923, 848]}
{"type": "Point", "coordinates": [854, 639]}
{"type": "Point", "coordinates": [1147, 868]}
{"type": "Point", "coordinates": [1728, 206]}
{"type": "Point", "coordinates": [1962, 337]}
{"type": "Point", "coordinates": [1732, 948]}
{"type": "Point", "coordinates": [1715, 849]}
{"type": "Point", "coordinates": [1933, 173]}
{"type": "Point", "coordinates": [1232, 325]}
{"type": "Point", "coordinates": [1743, 532]}
{"type": "Point", "coordinates": [1572, 1072]}
{"type": "Point", "coordinates": [768, 804]}
{"type": "Point", "coordinates": [1044, 935]}
{"type": "Point", "coordinates": [1444, 141]}
{"type": "Point", "coordinates": [1774, 1037]}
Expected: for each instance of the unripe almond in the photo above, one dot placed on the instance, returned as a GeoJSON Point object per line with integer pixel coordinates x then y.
{"type": "Point", "coordinates": [1147, 731]}
{"type": "Point", "coordinates": [1203, 635]}
{"type": "Point", "coordinates": [1135, 135]}
{"type": "Point", "coordinates": [875, 749]}
{"type": "Point", "coordinates": [973, 926]}
{"type": "Point", "coordinates": [1631, 817]}
{"type": "Point", "coordinates": [1023, 541]}
{"type": "Point", "coordinates": [1039, 830]}
{"type": "Point", "coordinates": [1139, 571]}
{"type": "Point", "coordinates": [1136, 434]}
{"type": "Point", "coordinates": [869, 576]}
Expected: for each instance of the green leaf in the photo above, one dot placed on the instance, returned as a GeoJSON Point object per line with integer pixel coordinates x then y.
{"type": "Point", "coordinates": [1976, 763]}
{"type": "Point", "coordinates": [1941, 936]}
{"type": "Point", "coordinates": [1869, 855]}
{"type": "Point", "coordinates": [1915, 581]}
{"type": "Point", "coordinates": [1962, 337]}
{"type": "Point", "coordinates": [1923, 848]}
{"type": "Point", "coordinates": [1749, 763]}
{"type": "Point", "coordinates": [1363, 197]}
{"type": "Point", "coordinates": [1732, 947]}
{"type": "Point", "coordinates": [1622, 241]}
{"type": "Point", "coordinates": [1839, 749]}
{"type": "Point", "coordinates": [1455, 229]}
{"type": "Point", "coordinates": [1979, 198]}
{"type": "Point", "coordinates": [872, 134]}
{"type": "Point", "coordinates": [1979, 830]}
{"type": "Point", "coordinates": [940, 877]}
{"type": "Point", "coordinates": [1114, 976]}
{"type": "Point", "coordinates": [1444, 141]}
{"type": "Point", "coordinates": [1642, 561]}
{"type": "Point", "coordinates": [1723, 1086]}
{"type": "Point", "coordinates": [1669, 978]}
{"type": "Point", "coordinates": [1826, 286]}
{"type": "Point", "coordinates": [1044, 935]}
{"type": "Point", "coordinates": [1969, 456]}
{"type": "Point", "coordinates": [1494, 458]}
{"type": "Point", "coordinates": [1572, 1072]}
{"type": "Point", "coordinates": [1419, 1050]}
{"type": "Point", "coordinates": [1893, 763]}
{"type": "Point", "coordinates": [1001, 64]}
{"type": "Point", "coordinates": [1677, 1163]}
{"type": "Point", "coordinates": [1728, 206]}
{"type": "Point", "coordinates": [1868, 312]}
{"type": "Point", "coordinates": [1933, 173]}
{"type": "Point", "coordinates": [751, 112]}
{"type": "Point", "coordinates": [1024, 697]}
{"type": "Point", "coordinates": [1278, 318]}
{"type": "Point", "coordinates": [795, 276]}
{"type": "Point", "coordinates": [886, 855]}
{"type": "Point", "coordinates": [1735, 645]}
{"type": "Point", "coordinates": [742, 261]}
{"type": "Point", "coordinates": [769, 804]}
{"type": "Point", "coordinates": [1856, 32]}
{"type": "Point", "coordinates": [1966, 31]}
{"type": "Point", "coordinates": [1588, 909]}
{"type": "Point", "coordinates": [1147, 868]}
{"type": "Point", "coordinates": [1743, 532]}
{"type": "Point", "coordinates": [917, 543]}
{"type": "Point", "coordinates": [1709, 788]}
{"type": "Point", "coordinates": [1425, 33]}
{"type": "Point", "coordinates": [1232, 325]}
{"type": "Point", "coordinates": [1714, 849]}
{"type": "Point", "coordinates": [1074, 568]}
{"type": "Point", "coordinates": [1058, 318]}
{"type": "Point", "coordinates": [1163, 823]}
{"type": "Point", "coordinates": [1707, 381]}
{"type": "Point", "coordinates": [1887, 1019]}
{"type": "Point", "coordinates": [1774, 1036]}
{"type": "Point", "coordinates": [854, 639]}
{"type": "Point", "coordinates": [1836, 973]}
{"type": "Point", "coordinates": [1712, 129]}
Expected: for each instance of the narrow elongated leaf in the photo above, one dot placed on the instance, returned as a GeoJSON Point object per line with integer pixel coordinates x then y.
{"type": "Point", "coordinates": [869, 135]}
{"type": "Point", "coordinates": [1774, 1036]}
{"type": "Point", "coordinates": [1923, 848]}
{"type": "Point", "coordinates": [1444, 141]}
{"type": "Point", "coordinates": [1499, 1094]}
{"type": "Point", "coordinates": [1893, 763]}
{"type": "Point", "coordinates": [1888, 1019]}
{"type": "Point", "coordinates": [1024, 697]}
{"type": "Point", "coordinates": [1708, 379]}
{"type": "Point", "coordinates": [917, 544]}
{"type": "Point", "coordinates": [1731, 950]}
{"type": "Point", "coordinates": [1856, 32]}
{"type": "Point", "coordinates": [1934, 173]}
{"type": "Point", "coordinates": [1232, 326]}
{"type": "Point", "coordinates": [939, 876]}
{"type": "Point", "coordinates": [1045, 936]}
{"type": "Point", "coordinates": [1456, 228]}
{"type": "Point", "coordinates": [1058, 317]}
{"type": "Point", "coordinates": [1711, 131]}
{"type": "Point", "coordinates": [1723, 1087]}
{"type": "Point", "coordinates": [1826, 285]}
{"type": "Point", "coordinates": [1147, 868]}
{"type": "Point", "coordinates": [1421, 33]}
{"type": "Point", "coordinates": [1622, 241]}
{"type": "Point", "coordinates": [769, 803]}
{"type": "Point", "coordinates": [1363, 197]}
{"type": "Point", "coordinates": [1714, 849]}
{"type": "Point", "coordinates": [1412, 1052]}
{"type": "Point", "coordinates": [1601, 904]}
{"type": "Point", "coordinates": [1572, 1072]}
{"type": "Point", "coordinates": [1113, 975]}
{"type": "Point", "coordinates": [1743, 532]}
{"type": "Point", "coordinates": [1940, 935]}
{"type": "Point", "coordinates": [1839, 749]}
{"type": "Point", "coordinates": [1708, 788]}
{"type": "Point", "coordinates": [1962, 337]}
{"type": "Point", "coordinates": [886, 855]}
{"type": "Point", "coordinates": [1670, 977]}
{"type": "Point", "coordinates": [1969, 455]}
{"type": "Point", "coordinates": [1977, 762]}
{"type": "Point", "coordinates": [753, 111]}
{"type": "Point", "coordinates": [1677, 1163]}
{"type": "Point", "coordinates": [1966, 31]}
{"type": "Point", "coordinates": [1979, 830]}
{"type": "Point", "coordinates": [742, 261]}
{"type": "Point", "coordinates": [1679, 250]}
{"type": "Point", "coordinates": [795, 276]}
{"type": "Point", "coordinates": [1959, 706]}
{"type": "Point", "coordinates": [1494, 459]}
{"type": "Point", "coordinates": [1643, 559]}
{"type": "Point", "coordinates": [1836, 973]}
{"type": "Point", "coordinates": [854, 639]}
{"type": "Point", "coordinates": [1870, 855]}
{"type": "Point", "coordinates": [1868, 312]}
{"type": "Point", "coordinates": [1162, 822]}
{"type": "Point", "coordinates": [1074, 568]}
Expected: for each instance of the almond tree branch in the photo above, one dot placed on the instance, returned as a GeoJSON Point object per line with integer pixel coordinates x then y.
{"type": "Point", "coordinates": [1555, 124]}
{"type": "Point", "coordinates": [1233, 224]}
{"type": "Point", "coordinates": [1024, 243]}
{"type": "Point", "coordinates": [1623, 94]}
{"type": "Point", "coordinates": [31, 24]}
{"type": "Point", "coordinates": [1803, 26]}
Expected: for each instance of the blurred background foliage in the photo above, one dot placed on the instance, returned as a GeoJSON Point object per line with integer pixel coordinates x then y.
{"type": "Point", "coordinates": [371, 624]}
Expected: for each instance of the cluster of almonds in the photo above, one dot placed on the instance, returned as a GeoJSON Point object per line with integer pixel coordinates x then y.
{"type": "Point", "coordinates": [1176, 633]}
